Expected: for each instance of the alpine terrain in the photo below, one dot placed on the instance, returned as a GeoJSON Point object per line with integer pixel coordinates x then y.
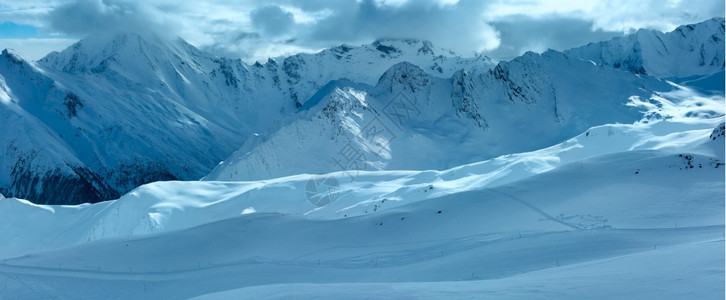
{"type": "Point", "coordinates": [133, 166]}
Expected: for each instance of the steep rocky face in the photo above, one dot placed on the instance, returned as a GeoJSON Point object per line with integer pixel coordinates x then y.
{"type": "Point", "coordinates": [57, 186]}
{"type": "Point", "coordinates": [716, 141]}
{"type": "Point", "coordinates": [464, 99]}
{"type": "Point", "coordinates": [718, 133]}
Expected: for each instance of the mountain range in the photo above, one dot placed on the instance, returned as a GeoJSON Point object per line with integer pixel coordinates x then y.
{"type": "Point", "coordinates": [108, 114]}
{"type": "Point", "coordinates": [389, 170]}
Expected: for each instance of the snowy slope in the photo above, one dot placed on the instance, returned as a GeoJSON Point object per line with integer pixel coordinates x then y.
{"type": "Point", "coordinates": [648, 274]}
{"type": "Point", "coordinates": [35, 160]}
{"type": "Point", "coordinates": [132, 109]}
{"type": "Point", "coordinates": [637, 199]}
{"type": "Point", "coordinates": [690, 50]}
{"type": "Point", "coordinates": [165, 206]}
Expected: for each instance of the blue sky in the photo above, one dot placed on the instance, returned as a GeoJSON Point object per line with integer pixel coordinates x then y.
{"type": "Point", "coordinates": [254, 30]}
{"type": "Point", "coordinates": [9, 30]}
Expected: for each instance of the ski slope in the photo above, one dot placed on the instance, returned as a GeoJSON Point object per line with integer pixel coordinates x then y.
{"type": "Point", "coordinates": [621, 210]}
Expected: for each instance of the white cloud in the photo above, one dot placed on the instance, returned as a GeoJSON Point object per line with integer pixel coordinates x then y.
{"type": "Point", "coordinates": [229, 27]}
{"type": "Point", "coordinates": [521, 33]}
{"type": "Point", "coordinates": [615, 15]}
{"type": "Point", "coordinates": [83, 17]}
{"type": "Point", "coordinates": [619, 15]}
{"type": "Point", "coordinates": [272, 20]}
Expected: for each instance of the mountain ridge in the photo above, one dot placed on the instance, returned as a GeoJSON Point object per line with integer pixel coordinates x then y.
{"type": "Point", "coordinates": [472, 116]}
{"type": "Point", "coordinates": [697, 49]}
{"type": "Point", "coordinates": [132, 109]}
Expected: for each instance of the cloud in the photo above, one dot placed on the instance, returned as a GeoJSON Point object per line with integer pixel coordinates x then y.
{"type": "Point", "coordinates": [663, 15]}
{"type": "Point", "coordinates": [461, 27]}
{"type": "Point", "coordinates": [272, 20]}
{"type": "Point", "coordinates": [456, 25]}
{"type": "Point", "coordinates": [84, 17]}
{"type": "Point", "coordinates": [520, 33]}
{"type": "Point", "coordinates": [615, 15]}
{"type": "Point", "coordinates": [501, 29]}
{"type": "Point", "coordinates": [28, 12]}
{"type": "Point", "coordinates": [257, 29]}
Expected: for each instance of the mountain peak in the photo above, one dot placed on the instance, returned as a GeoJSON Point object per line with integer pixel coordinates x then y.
{"type": "Point", "coordinates": [94, 53]}
{"type": "Point", "coordinates": [404, 67]}
{"type": "Point", "coordinates": [13, 57]}
{"type": "Point", "coordinates": [699, 48]}
{"type": "Point", "coordinates": [402, 42]}
{"type": "Point", "coordinates": [404, 75]}
{"type": "Point", "coordinates": [397, 47]}
{"type": "Point", "coordinates": [710, 23]}
{"type": "Point", "coordinates": [393, 40]}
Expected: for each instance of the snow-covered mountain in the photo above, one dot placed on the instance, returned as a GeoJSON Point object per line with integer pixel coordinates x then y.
{"type": "Point", "coordinates": [413, 120]}
{"type": "Point", "coordinates": [307, 73]}
{"type": "Point", "coordinates": [110, 113]}
{"type": "Point", "coordinates": [620, 209]}
{"type": "Point", "coordinates": [36, 161]}
{"type": "Point", "coordinates": [132, 109]}
{"type": "Point", "coordinates": [689, 50]}
{"type": "Point", "coordinates": [560, 176]}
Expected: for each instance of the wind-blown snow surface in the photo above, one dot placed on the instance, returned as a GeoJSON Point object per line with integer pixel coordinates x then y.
{"type": "Point", "coordinates": [621, 210]}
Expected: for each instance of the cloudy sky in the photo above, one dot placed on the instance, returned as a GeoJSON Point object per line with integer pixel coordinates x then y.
{"type": "Point", "coordinates": [255, 30]}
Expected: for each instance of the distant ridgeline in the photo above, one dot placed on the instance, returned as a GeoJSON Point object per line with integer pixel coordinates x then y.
{"type": "Point", "coordinates": [108, 114]}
